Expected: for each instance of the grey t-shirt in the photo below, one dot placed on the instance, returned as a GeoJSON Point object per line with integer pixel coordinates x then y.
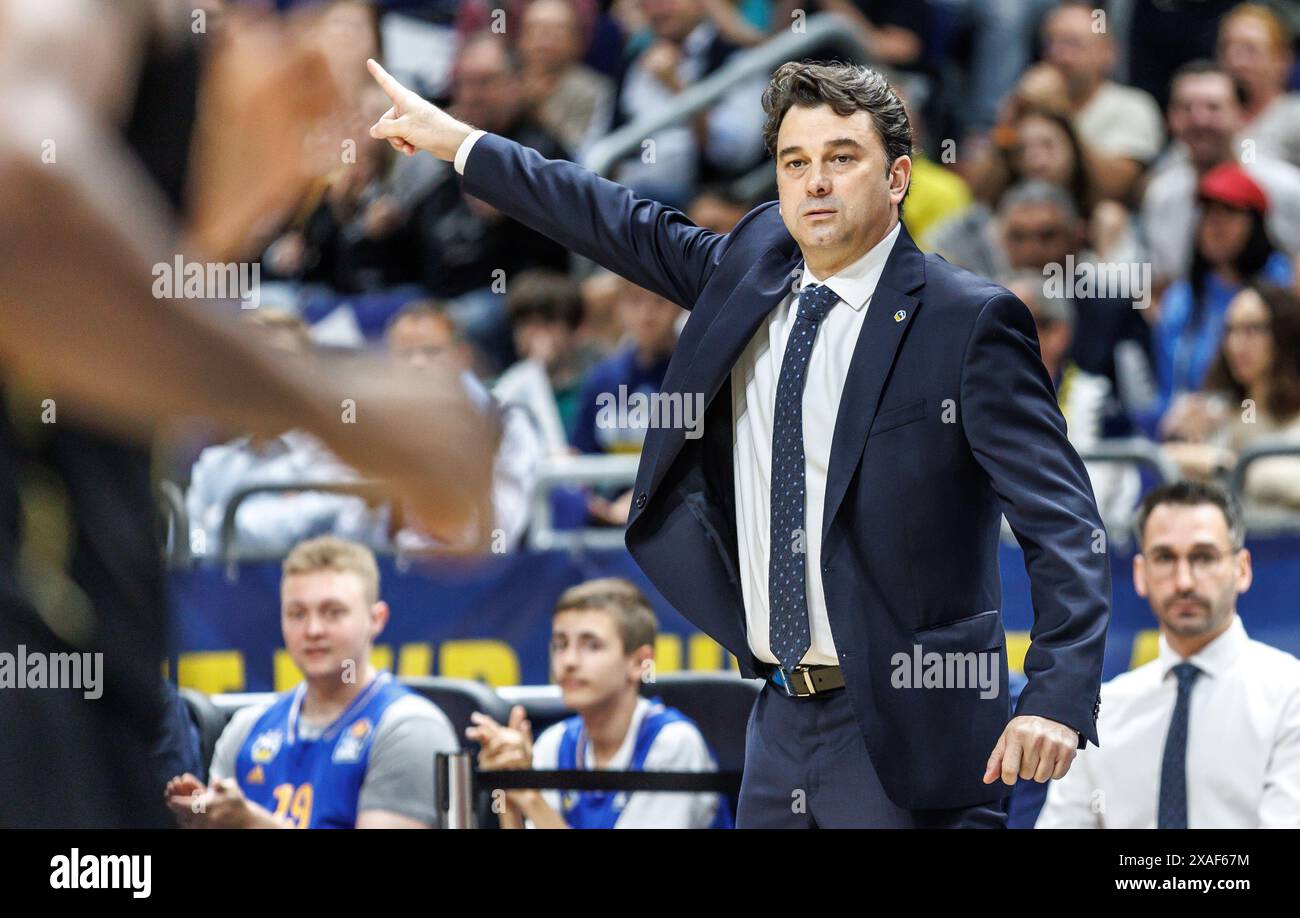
{"type": "Point", "coordinates": [399, 772]}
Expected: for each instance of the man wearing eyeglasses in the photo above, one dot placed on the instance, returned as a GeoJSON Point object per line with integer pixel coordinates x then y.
{"type": "Point", "coordinates": [1207, 735]}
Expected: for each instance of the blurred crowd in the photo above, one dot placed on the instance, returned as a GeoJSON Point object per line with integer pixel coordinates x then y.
{"type": "Point", "coordinates": [1131, 170]}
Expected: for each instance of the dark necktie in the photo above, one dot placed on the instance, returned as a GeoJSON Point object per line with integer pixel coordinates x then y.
{"type": "Point", "coordinates": [1173, 771]}
{"type": "Point", "coordinates": [787, 548]}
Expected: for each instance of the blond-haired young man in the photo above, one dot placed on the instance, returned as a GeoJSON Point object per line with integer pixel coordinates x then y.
{"type": "Point", "coordinates": [348, 747]}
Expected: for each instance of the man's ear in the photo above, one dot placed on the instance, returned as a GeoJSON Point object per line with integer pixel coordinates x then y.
{"type": "Point", "coordinates": [640, 662]}
{"type": "Point", "coordinates": [378, 618]}
{"type": "Point", "coordinates": [900, 176]}
{"type": "Point", "coordinates": [1245, 571]}
{"type": "Point", "coordinates": [1140, 575]}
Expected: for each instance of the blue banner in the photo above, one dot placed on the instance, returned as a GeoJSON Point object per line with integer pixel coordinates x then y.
{"type": "Point", "coordinates": [489, 618]}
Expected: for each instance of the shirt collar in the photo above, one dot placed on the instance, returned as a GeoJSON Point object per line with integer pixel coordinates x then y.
{"type": "Point", "coordinates": [855, 283]}
{"type": "Point", "coordinates": [1214, 658]}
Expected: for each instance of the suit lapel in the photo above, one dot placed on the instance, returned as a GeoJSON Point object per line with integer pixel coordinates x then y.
{"type": "Point", "coordinates": [703, 361]}
{"type": "Point", "coordinates": [889, 314]}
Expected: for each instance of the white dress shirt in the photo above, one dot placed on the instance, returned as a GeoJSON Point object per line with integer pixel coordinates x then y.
{"type": "Point", "coordinates": [753, 396]}
{"type": "Point", "coordinates": [462, 152]}
{"type": "Point", "coordinates": [1243, 743]}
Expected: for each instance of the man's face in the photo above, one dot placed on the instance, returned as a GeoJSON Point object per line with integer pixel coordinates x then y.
{"type": "Point", "coordinates": [549, 37]}
{"type": "Point", "coordinates": [838, 196]}
{"type": "Point", "coordinates": [1070, 44]}
{"type": "Point", "coordinates": [649, 319]}
{"type": "Point", "coordinates": [328, 625]}
{"type": "Point", "coordinates": [484, 89]}
{"type": "Point", "coordinates": [425, 341]}
{"type": "Point", "coordinates": [588, 661]}
{"type": "Point", "coordinates": [1188, 570]}
{"type": "Point", "coordinates": [1204, 115]}
{"type": "Point", "coordinates": [1038, 234]}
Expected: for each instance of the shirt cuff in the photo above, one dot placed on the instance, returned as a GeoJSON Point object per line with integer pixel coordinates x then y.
{"type": "Point", "coordinates": [465, 146]}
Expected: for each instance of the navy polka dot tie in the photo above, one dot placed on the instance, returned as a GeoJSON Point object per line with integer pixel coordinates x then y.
{"type": "Point", "coordinates": [786, 595]}
{"type": "Point", "coordinates": [1173, 770]}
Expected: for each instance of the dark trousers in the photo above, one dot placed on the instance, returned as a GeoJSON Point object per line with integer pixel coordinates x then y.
{"type": "Point", "coordinates": [807, 767]}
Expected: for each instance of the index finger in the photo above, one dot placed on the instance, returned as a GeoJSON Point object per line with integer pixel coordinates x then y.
{"type": "Point", "coordinates": [394, 89]}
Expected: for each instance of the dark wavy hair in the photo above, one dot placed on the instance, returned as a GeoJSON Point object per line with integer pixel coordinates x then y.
{"type": "Point", "coordinates": [846, 88]}
{"type": "Point", "coordinates": [1283, 401]}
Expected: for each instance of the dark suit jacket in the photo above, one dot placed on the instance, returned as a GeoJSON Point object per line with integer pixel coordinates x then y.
{"type": "Point", "coordinates": [947, 422]}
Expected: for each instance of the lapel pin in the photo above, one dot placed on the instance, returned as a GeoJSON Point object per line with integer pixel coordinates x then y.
{"type": "Point", "coordinates": [900, 315]}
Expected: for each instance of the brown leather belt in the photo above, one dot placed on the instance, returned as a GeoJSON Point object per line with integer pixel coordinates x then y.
{"type": "Point", "coordinates": [806, 681]}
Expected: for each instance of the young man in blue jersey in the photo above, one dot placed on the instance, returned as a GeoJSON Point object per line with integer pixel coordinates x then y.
{"type": "Point", "coordinates": [602, 646]}
{"type": "Point", "coordinates": [348, 747]}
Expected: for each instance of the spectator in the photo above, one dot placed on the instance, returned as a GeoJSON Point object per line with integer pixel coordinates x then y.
{"type": "Point", "coordinates": [1043, 144]}
{"type": "Point", "coordinates": [1255, 50]}
{"type": "Point", "coordinates": [1207, 735]}
{"type": "Point", "coordinates": [567, 98]}
{"type": "Point", "coordinates": [1084, 397]}
{"type": "Point", "coordinates": [545, 309]}
{"type": "Point", "coordinates": [1121, 124]}
{"type": "Point", "coordinates": [1205, 114]}
{"type": "Point", "coordinates": [723, 141]}
{"type": "Point", "coordinates": [270, 523]}
{"type": "Point", "coordinates": [332, 243]}
{"type": "Point", "coordinates": [650, 326]}
{"type": "Point", "coordinates": [348, 747]}
{"type": "Point", "coordinates": [1252, 394]}
{"type": "Point", "coordinates": [423, 334]}
{"type": "Point", "coordinates": [1232, 248]}
{"type": "Point", "coordinates": [459, 248]}
{"type": "Point", "coordinates": [602, 328]}
{"type": "Point", "coordinates": [602, 646]}
{"type": "Point", "coordinates": [1037, 229]}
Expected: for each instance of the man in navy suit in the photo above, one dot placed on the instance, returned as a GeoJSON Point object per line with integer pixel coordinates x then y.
{"type": "Point", "coordinates": [835, 523]}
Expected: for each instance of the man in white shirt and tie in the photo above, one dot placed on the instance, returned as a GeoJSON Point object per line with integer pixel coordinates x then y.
{"type": "Point", "coordinates": [1207, 735]}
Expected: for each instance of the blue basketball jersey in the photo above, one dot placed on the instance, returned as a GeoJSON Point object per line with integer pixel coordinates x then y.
{"type": "Point", "coordinates": [315, 783]}
{"type": "Point", "coordinates": [601, 809]}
